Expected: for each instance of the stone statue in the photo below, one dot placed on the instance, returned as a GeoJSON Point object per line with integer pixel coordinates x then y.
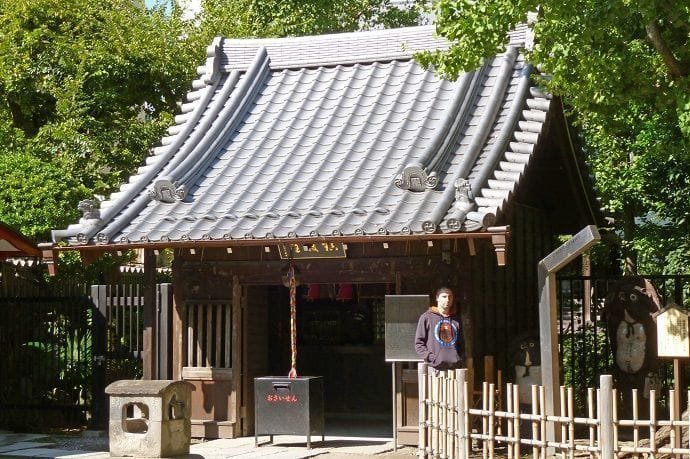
{"type": "Point", "coordinates": [628, 309]}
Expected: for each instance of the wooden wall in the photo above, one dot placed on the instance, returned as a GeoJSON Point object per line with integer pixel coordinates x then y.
{"type": "Point", "coordinates": [497, 302]}
{"type": "Point", "coordinates": [502, 301]}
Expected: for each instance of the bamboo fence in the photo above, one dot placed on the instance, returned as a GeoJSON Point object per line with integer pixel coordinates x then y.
{"type": "Point", "coordinates": [454, 425]}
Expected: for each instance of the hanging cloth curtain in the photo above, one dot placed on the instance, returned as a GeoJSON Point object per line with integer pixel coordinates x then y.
{"type": "Point", "coordinates": [292, 283]}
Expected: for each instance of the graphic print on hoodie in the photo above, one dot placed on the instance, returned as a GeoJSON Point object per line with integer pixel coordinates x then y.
{"type": "Point", "coordinates": [438, 340]}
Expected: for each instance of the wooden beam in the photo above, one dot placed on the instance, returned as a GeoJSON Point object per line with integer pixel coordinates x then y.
{"type": "Point", "coordinates": [49, 256]}
{"type": "Point", "coordinates": [364, 239]}
{"type": "Point", "coordinates": [499, 239]}
{"type": "Point", "coordinates": [471, 247]}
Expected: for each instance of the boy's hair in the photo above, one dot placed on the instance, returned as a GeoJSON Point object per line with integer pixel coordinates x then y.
{"type": "Point", "coordinates": [443, 290]}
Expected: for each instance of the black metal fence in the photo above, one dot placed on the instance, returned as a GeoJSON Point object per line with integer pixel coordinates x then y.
{"type": "Point", "coordinates": [46, 371]}
{"type": "Point", "coordinates": [60, 347]}
{"type": "Point", "coordinates": [584, 345]}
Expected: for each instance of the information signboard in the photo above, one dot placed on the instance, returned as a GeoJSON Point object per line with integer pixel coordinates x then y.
{"type": "Point", "coordinates": [401, 314]}
{"type": "Point", "coordinates": [312, 250]}
{"type": "Point", "coordinates": [672, 332]}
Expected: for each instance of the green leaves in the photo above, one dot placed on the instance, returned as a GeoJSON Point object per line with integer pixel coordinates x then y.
{"type": "Point", "coordinates": [86, 89]}
{"type": "Point", "coordinates": [280, 18]}
{"type": "Point", "coordinates": [629, 100]}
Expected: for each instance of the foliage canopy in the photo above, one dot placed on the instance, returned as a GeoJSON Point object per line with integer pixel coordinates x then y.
{"type": "Point", "coordinates": [623, 68]}
{"type": "Point", "coordinates": [86, 88]}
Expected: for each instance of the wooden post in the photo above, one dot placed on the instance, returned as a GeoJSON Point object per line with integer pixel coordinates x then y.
{"type": "Point", "coordinates": [421, 372]}
{"type": "Point", "coordinates": [548, 337]}
{"type": "Point", "coordinates": [677, 384]}
{"type": "Point", "coordinates": [435, 418]}
{"type": "Point", "coordinates": [178, 349]}
{"type": "Point", "coordinates": [164, 333]}
{"type": "Point", "coordinates": [606, 415]}
{"type": "Point", "coordinates": [150, 357]}
{"type": "Point", "coordinates": [461, 376]}
{"type": "Point", "coordinates": [99, 411]}
{"type": "Point", "coordinates": [395, 408]}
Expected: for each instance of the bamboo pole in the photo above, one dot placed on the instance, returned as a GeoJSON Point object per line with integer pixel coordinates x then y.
{"type": "Point", "coordinates": [571, 422]}
{"type": "Point", "coordinates": [492, 420]}
{"type": "Point", "coordinates": [461, 430]}
{"type": "Point", "coordinates": [636, 412]}
{"type": "Point", "coordinates": [614, 397]}
{"type": "Point", "coordinates": [485, 421]}
{"type": "Point", "coordinates": [435, 381]}
{"type": "Point", "coordinates": [423, 412]}
{"type": "Point", "coordinates": [509, 420]}
{"type": "Point", "coordinates": [564, 412]}
{"type": "Point", "coordinates": [652, 422]}
{"type": "Point", "coordinates": [606, 416]}
{"type": "Point", "coordinates": [467, 390]}
{"type": "Point", "coordinates": [535, 424]}
{"type": "Point", "coordinates": [542, 421]}
{"type": "Point", "coordinates": [516, 424]}
{"type": "Point", "coordinates": [590, 414]}
{"type": "Point", "coordinates": [672, 417]}
{"type": "Point", "coordinates": [443, 428]}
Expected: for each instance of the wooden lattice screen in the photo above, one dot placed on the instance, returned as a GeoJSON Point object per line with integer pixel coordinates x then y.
{"type": "Point", "coordinates": [208, 326]}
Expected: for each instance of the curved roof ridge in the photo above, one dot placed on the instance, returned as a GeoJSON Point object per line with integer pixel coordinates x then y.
{"type": "Point", "coordinates": [343, 48]}
{"type": "Point", "coordinates": [332, 49]}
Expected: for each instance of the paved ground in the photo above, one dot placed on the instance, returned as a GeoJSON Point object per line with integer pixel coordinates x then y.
{"type": "Point", "coordinates": [94, 445]}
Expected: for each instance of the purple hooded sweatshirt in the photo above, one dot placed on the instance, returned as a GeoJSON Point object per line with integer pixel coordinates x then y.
{"type": "Point", "coordinates": [439, 340]}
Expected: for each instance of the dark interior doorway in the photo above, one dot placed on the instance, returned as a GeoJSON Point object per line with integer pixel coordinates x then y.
{"type": "Point", "coordinates": [340, 337]}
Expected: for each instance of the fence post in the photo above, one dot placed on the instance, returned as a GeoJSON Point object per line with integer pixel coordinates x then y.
{"type": "Point", "coordinates": [461, 376]}
{"type": "Point", "coordinates": [99, 410]}
{"type": "Point", "coordinates": [606, 415]}
{"type": "Point", "coordinates": [163, 345]}
{"type": "Point", "coordinates": [422, 385]}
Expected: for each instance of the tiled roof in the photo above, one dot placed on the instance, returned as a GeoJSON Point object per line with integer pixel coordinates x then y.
{"type": "Point", "coordinates": [331, 135]}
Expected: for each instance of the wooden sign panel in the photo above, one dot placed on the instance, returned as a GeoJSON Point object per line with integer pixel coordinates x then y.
{"type": "Point", "coordinates": [401, 314]}
{"type": "Point", "coordinates": [312, 250]}
{"type": "Point", "coordinates": [673, 333]}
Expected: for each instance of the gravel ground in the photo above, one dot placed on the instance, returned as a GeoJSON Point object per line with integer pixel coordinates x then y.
{"type": "Point", "coordinates": [89, 440]}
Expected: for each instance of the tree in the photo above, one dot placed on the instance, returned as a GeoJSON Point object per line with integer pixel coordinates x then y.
{"type": "Point", "coordinates": [85, 89]}
{"type": "Point", "coordinates": [281, 18]}
{"type": "Point", "coordinates": [623, 69]}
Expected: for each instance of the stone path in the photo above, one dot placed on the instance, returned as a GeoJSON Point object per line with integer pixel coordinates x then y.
{"type": "Point", "coordinates": [20, 446]}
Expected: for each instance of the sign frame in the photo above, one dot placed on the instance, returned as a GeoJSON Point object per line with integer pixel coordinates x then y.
{"type": "Point", "coordinates": [294, 251]}
{"type": "Point", "coordinates": [668, 345]}
{"type": "Point", "coordinates": [404, 330]}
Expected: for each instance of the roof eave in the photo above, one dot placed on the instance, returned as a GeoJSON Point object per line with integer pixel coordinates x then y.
{"type": "Point", "coordinates": [497, 235]}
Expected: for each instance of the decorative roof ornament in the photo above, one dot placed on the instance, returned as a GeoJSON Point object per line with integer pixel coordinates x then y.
{"type": "Point", "coordinates": [212, 70]}
{"type": "Point", "coordinates": [462, 205]}
{"type": "Point", "coordinates": [415, 178]}
{"type": "Point", "coordinates": [89, 211]}
{"type": "Point", "coordinates": [463, 189]}
{"type": "Point", "coordinates": [164, 191]}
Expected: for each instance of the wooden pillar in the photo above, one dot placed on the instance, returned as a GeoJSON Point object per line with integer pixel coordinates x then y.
{"type": "Point", "coordinates": [179, 357]}
{"type": "Point", "coordinates": [237, 368]}
{"type": "Point", "coordinates": [150, 354]}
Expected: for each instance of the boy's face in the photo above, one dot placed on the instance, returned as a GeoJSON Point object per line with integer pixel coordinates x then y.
{"type": "Point", "coordinates": [444, 302]}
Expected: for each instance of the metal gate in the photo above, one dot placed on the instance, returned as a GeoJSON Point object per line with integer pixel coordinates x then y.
{"type": "Point", "coordinates": [584, 346]}
{"type": "Point", "coordinates": [46, 376]}
{"type": "Point", "coordinates": [119, 329]}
